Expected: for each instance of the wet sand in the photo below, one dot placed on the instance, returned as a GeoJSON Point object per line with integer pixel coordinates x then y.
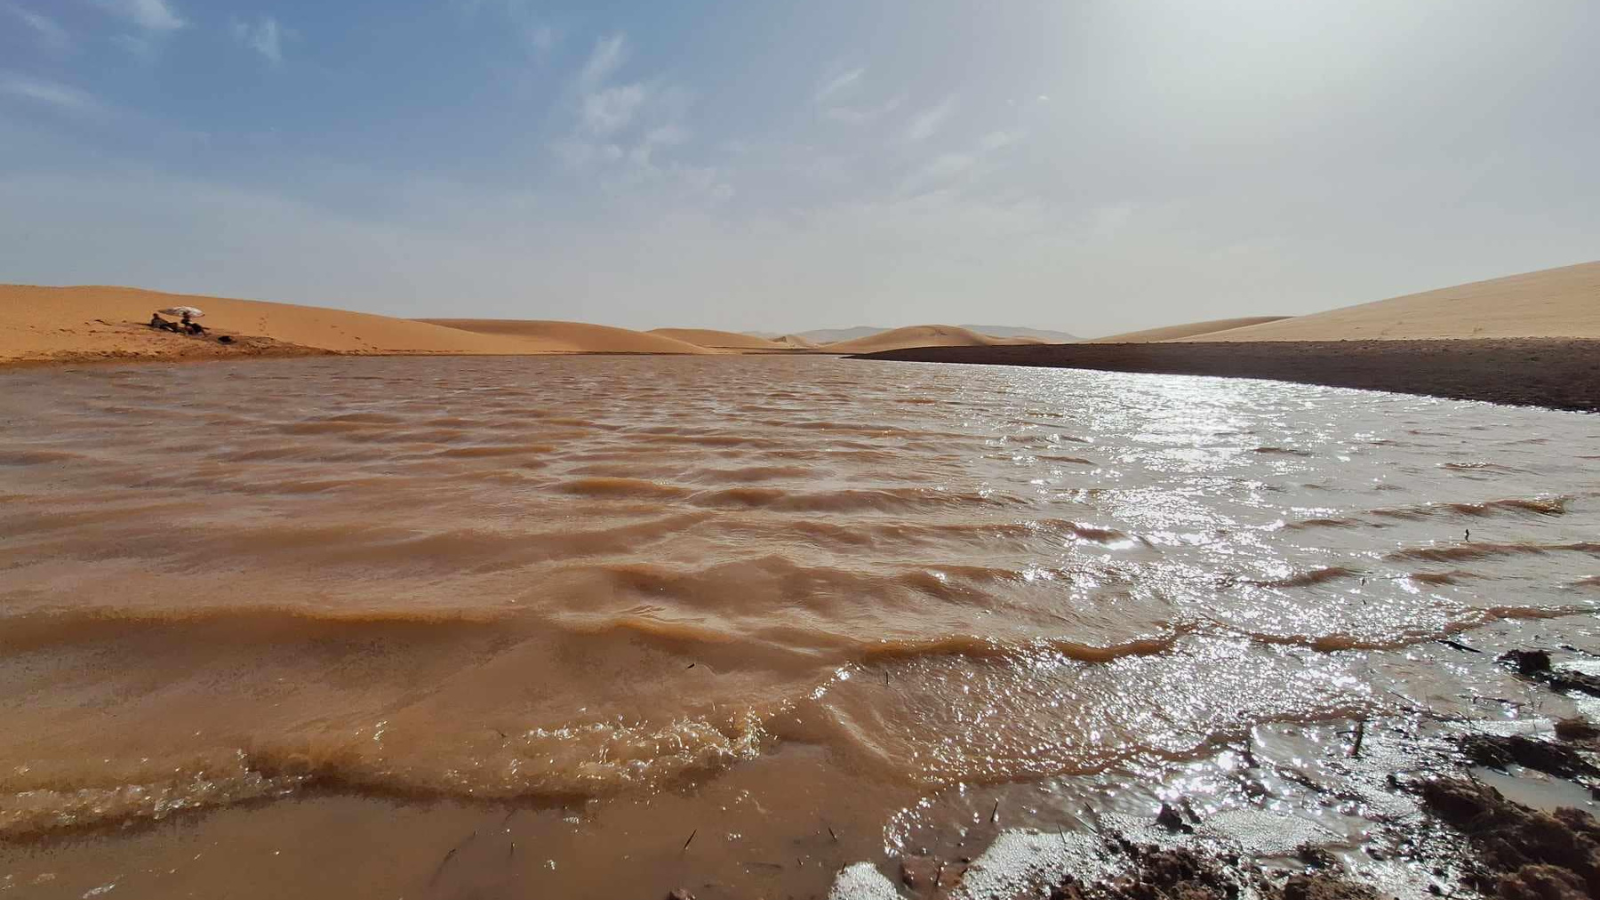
{"type": "Point", "coordinates": [1549, 372]}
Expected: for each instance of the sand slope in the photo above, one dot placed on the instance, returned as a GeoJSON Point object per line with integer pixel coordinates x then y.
{"type": "Point", "coordinates": [569, 337]}
{"type": "Point", "coordinates": [720, 340]}
{"type": "Point", "coordinates": [915, 336]}
{"type": "Point", "coordinates": [1192, 329]}
{"type": "Point", "coordinates": [94, 323]}
{"type": "Point", "coordinates": [1557, 303]}
{"type": "Point", "coordinates": [108, 323]}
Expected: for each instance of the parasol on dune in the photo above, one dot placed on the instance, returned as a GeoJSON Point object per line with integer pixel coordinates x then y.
{"type": "Point", "coordinates": [189, 311]}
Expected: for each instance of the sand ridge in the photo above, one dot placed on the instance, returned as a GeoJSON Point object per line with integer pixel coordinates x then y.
{"type": "Point", "coordinates": [720, 340]}
{"type": "Point", "coordinates": [570, 337]}
{"type": "Point", "coordinates": [91, 323]}
{"type": "Point", "coordinates": [1550, 303]}
{"type": "Point", "coordinates": [916, 336]}
{"type": "Point", "coordinates": [1188, 330]}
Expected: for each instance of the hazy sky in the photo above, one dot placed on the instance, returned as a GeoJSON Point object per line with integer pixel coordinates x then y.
{"type": "Point", "coordinates": [1088, 166]}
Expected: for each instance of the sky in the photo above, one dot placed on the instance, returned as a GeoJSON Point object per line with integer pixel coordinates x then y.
{"type": "Point", "coordinates": [1089, 166]}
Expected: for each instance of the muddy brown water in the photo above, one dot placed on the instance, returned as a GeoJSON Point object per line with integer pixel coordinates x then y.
{"type": "Point", "coordinates": [602, 626]}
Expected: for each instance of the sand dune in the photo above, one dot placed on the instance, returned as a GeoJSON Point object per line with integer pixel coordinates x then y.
{"type": "Point", "coordinates": [96, 323]}
{"type": "Point", "coordinates": [569, 337]}
{"type": "Point", "coordinates": [1177, 332]}
{"type": "Point", "coordinates": [796, 342]}
{"type": "Point", "coordinates": [916, 336]}
{"type": "Point", "coordinates": [719, 340]}
{"type": "Point", "coordinates": [108, 323]}
{"type": "Point", "coordinates": [1557, 303]}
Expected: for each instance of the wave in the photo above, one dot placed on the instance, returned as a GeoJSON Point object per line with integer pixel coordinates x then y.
{"type": "Point", "coordinates": [1468, 552]}
{"type": "Point", "coordinates": [1311, 578]}
{"type": "Point", "coordinates": [1539, 506]}
{"type": "Point", "coordinates": [36, 457]}
{"type": "Point", "coordinates": [850, 499]}
{"type": "Point", "coordinates": [575, 761]}
{"type": "Point", "coordinates": [1338, 642]}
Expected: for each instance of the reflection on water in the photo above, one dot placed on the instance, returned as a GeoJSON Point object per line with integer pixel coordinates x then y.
{"type": "Point", "coordinates": [653, 587]}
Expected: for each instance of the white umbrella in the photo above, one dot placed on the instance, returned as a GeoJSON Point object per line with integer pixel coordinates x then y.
{"type": "Point", "coordinates": [189, 311]}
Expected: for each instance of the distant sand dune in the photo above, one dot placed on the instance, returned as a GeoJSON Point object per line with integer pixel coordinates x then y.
{"type": "Point", "coordinates": [721, 340]}
{"type": "Point", "coordinates": [916, 336]}
{"type": "Point", "coordinates": [1559, 303]}
{"type": "Point", "coordinates": [570, 337]}
{"type": "Point", "coordinates": [1177, 332]}
{"type": "Point", "coordinates": [107, 323]}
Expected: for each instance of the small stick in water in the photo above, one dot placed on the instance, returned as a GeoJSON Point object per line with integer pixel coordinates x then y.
{"type": "Point", "coordinates": [1361, 735]}
{"type": "Point", "coordinates": [832, 835]}
{"type": "Point", "coordinates": [994, 814]}
{"type": "Point", "coordinates": [690, 840]}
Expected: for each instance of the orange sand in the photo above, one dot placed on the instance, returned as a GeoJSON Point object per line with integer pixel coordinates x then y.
{"type": "Point", "coordinates": [108, 323]}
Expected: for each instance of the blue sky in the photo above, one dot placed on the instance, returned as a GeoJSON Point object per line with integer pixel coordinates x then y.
{"type": "Point", "coordinates": [1090, 166]}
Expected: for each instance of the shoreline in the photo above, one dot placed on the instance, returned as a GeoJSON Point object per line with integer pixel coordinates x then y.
{"type": "Point", "coordinates": [1556, 373]}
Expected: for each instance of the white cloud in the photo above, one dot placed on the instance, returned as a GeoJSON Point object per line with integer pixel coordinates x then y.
{"type": "Point", "coordinates": [264, 36]}
{"type": "Point", "coordinates": [608, 56]}
{"type": "Point", "coordinates": [857, 115]}
{"type": "Point", "coordinates": [49, 93]}
{"type": "Point", "coordinates": [929, 121]}
{"type": "Point", "coordinates": [151, 15]}
{"type": "Point", "coordinates": [50, 33]}
{"type": "Point", "coordinates": [610, 110]}
{"type": "Point", "coordinates": [838, 83]}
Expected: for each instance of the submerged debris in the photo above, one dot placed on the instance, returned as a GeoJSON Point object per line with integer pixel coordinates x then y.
{"type": "Point", "coordinates": [1535, 665]}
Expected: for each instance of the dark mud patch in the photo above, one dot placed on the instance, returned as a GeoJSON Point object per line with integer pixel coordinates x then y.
{"type": "Point", "coordinates": [1520, 853]}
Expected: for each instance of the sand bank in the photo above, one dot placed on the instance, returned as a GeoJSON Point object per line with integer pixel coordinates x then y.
{"type": "Point", "coordinates": [1556, 373]}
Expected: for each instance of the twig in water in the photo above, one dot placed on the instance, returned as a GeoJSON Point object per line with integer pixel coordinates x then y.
{"type": "Point", "coordinates": [1361, 734]}
{"type": "Point", "coordinates": [832, 835]}
{"type": "Point", "coordinates": [994, 814]}
{"type": "Point", "coordinates": [690, 840]}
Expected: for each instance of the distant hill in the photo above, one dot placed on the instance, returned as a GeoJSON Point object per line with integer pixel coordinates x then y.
{"type": "Point", "coordinates": [1187, 330]}
{"type": "Point", "coordinates": [720, 340]}
{"type": "Point", "coordinates": [570, 337]}
{"type": "Point", "coordinates": [1014, 331]}
{"type": "Point", "coordinates": [834, 335]}
{"type": "Point", "coordinates": [917, 336]}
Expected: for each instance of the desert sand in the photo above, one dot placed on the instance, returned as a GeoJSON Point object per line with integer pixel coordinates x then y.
{"type": "Point", "coordinates": [1551, 303]}
{"type": "Point", "coordinates": [720, 340]}
{"type": "Point", "coordinates": [74, 324]}
{"type": "Point", "coordinates": [916, 336]}
{"type": "Point", "coordinates": [1190, 330]}
{"type": "Point", "coordinates": [569, 337]}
